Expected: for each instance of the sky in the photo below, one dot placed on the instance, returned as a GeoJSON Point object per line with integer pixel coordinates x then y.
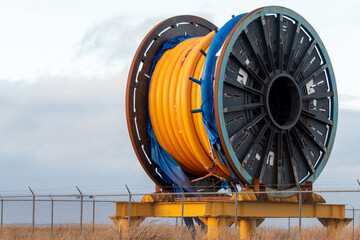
{"type": "Point", "coordinates": [63, 73]}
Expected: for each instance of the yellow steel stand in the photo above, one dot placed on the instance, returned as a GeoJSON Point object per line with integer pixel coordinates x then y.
{"type": "Point", "coordinates": [334, 224]}
{"type": "Point", "coordinates": [248, 226]}
{"type": "Point", "coordinates": [218, 213]}
{"type": "Point", "coordinates": [217, 226]}
{"type": "Point", "coordinates": [123, 224]}
{"type": "Point", "coordinates": [245, 228]}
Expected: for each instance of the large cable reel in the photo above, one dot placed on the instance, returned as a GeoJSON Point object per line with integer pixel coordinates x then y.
{"type": "Point", "coordinates": [273, 98]}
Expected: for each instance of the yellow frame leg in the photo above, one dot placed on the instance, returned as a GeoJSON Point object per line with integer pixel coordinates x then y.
{"type": "Point", "coordinates": [334, 224]}
{"type": "Point", "coordinates": [217, 226]}
{"type": "Point", "coordinates": [244, 225]}
{"type": "Point", "coordinates": [123, 224]}
{"type": "Point", "coordinates": [248, 227]}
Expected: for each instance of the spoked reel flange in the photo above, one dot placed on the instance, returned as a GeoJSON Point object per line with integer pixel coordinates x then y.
{"type": "Point", "coordinates": [275, 99]}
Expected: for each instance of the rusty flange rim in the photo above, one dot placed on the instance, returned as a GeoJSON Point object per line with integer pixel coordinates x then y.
{"type": "Point", "coordinates": [138, 81]}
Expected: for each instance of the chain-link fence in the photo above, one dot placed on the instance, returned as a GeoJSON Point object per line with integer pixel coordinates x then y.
{"type": "Point", "coordinates": [93, 209]}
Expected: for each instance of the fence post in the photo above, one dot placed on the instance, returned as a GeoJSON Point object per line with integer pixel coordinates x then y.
{"type": "Point", "coordinates": [289, 227]}
{"type": "Point", "coordinates": [356, 234]}
{"type": "Point", "coordinates": [236, 211]}
{"type": "Point", "coordinates": [129, 218]}
{"type": "Point", "coordinates": [52, 213]}
{"type": "Point", "coordinates": [353, 233]}
{"type": "Point", "coordinates": [81, 208]}
{"type": "Point", "coordinates": [2, 212]}
{"type": "Point", "coordinates": [300, 206]}
{"type": "Point", "coordinates": [93, 223]}
{"type": "Point", "coordinates": [33, 213]}
{"type": "Point", "coordinates": [182, 213]}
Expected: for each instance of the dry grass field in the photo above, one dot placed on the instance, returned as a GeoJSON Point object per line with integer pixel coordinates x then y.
{"type": "Point", "coordinates": [152, 231]}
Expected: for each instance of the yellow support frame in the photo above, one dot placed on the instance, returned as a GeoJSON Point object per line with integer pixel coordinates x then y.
{"type": "Point", "coordinates": [220, 214]}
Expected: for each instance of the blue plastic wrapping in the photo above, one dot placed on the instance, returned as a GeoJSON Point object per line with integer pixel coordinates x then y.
{"type": "Point", "coordinates": [168, 167]}
{"type": "Point", "coordinates": [207, 78]}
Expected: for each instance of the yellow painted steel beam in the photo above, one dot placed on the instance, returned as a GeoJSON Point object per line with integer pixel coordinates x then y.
{"type": "Point", "coordinates": [227, 208]}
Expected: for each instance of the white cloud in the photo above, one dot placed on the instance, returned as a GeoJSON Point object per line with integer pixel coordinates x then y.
{"type": "Point", "coordinates": [343, 167]}
{"type": "Point", "coordinates": [349, 101]}
{"type": "Point", "coordinates": [71, 128]}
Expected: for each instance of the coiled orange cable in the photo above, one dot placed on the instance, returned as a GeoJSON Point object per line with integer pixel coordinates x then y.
{"type": "Point", "coordinates": [172, 97]}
